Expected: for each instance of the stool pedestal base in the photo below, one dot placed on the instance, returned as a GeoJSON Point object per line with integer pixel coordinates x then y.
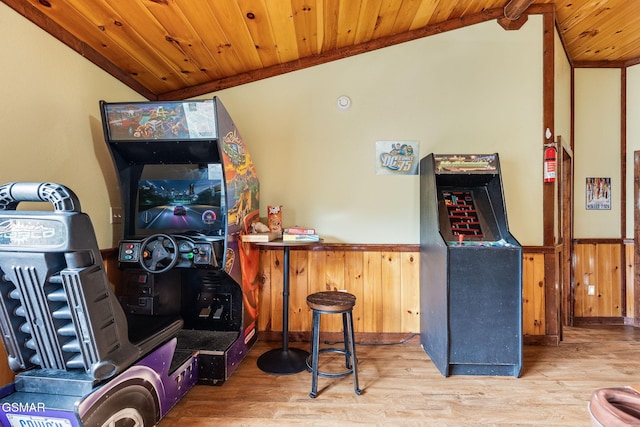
{"type": "Point", "coordinates": [280, 361]}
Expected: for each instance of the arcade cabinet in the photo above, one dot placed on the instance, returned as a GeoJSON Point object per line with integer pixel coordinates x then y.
{"type": "Point", "coordinates": [189, 189]}
{"type": "Point", "coordinates": [471, 268]}
{"type": "Point", "coordinates": [86, 354]}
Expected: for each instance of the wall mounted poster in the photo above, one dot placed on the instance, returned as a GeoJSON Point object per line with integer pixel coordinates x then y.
{"type": "Point", "coordinates": [397, 157]}
{"type": "Point", "coordinates": [598, 193]}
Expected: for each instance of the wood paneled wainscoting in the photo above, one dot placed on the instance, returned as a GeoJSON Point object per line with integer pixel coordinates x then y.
{"type": "Point", "coordinates": [604, 281]}
{"type": "Point", "coordinates": [385, 281]}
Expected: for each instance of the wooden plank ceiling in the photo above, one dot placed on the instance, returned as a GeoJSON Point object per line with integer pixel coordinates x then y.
{"type": "Point", "coordinates": [175, 49]}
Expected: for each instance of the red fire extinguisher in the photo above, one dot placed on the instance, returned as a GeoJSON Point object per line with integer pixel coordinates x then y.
{"type": "Point", "coordinates": [550, 164]}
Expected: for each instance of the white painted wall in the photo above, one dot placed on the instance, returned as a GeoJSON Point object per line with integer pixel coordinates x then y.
{"type": "Point", "coordinates": [474, 90]}
{"type": "Point", "coordinates": [50, 126]}
{"type": "Point", "coordinates": [597, 148]}
{"type": "Point", "coordinates": [562, 93]}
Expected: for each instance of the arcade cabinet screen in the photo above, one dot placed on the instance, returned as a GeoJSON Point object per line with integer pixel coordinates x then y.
{"type": "Point", "coordinates": [181, 199]}
{"type": "Point", "coordinates": [163, 121]}
{"type": "Point", "coordinates": [462, 213]}
{"type": "Point", "coordinates": [470, 216]}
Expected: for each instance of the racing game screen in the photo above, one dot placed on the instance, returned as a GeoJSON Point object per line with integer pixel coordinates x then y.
{"type": "Point", "coordinates": [192, 204]}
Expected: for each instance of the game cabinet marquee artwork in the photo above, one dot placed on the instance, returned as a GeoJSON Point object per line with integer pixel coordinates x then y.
{"type": "Point", "coordinates": [162, 121]}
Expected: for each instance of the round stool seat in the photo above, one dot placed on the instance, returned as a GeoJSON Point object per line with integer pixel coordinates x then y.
{"type": "Point", "coordinates": [331, 301]}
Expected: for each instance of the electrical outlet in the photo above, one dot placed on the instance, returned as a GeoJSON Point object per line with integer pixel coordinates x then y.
{"type": "Point", "coordinates": [591, 290]}
{"type": "Point", "coordinates": [116, 215]}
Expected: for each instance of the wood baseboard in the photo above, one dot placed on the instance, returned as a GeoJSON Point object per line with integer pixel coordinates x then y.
{"type": "Point", "coordinates": [552, 340]}
{"type": "Point", "coordinates": [361, 337]}
{"type": "Point", "coordinates": [582, 321]}
{"type": "Point", "coordinates": [385, 338]}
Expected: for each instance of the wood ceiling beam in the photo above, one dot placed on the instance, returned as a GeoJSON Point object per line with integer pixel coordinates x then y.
{"type": "Point", "coordinates": [514, 14]}
{"type": "Point", "coordinates": [514, 9]}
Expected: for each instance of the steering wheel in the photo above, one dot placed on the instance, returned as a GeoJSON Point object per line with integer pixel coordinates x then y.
{"type": "Point", "coordinates": [159, 253]}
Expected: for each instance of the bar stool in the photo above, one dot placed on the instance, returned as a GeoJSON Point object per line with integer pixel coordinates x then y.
{"type": "Point", "coordinates": [332, 302]}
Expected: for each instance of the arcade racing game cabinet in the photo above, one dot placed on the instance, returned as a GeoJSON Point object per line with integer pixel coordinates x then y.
{"type": "Point", "coordinates": [471, 268]}
{"type": "Point", "coordinates": [186, 310]}
{"type": "Point", "coordinates": [189, 189]}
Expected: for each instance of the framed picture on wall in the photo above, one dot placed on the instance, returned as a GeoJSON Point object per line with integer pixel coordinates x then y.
{"type": "Point", "coordinates": [598, 193]}
{"type": "Point", "coordinates": [397, 157]}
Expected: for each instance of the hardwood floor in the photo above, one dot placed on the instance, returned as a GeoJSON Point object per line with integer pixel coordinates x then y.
{"type": "Point", "coordinates": [402, 387]}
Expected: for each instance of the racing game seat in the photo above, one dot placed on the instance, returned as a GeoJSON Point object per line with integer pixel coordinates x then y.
{"type": "Point", "coordinates": [57, 309]}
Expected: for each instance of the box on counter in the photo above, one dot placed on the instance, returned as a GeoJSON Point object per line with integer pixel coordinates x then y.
{"type": "Point", "coordinates": [274, 218]}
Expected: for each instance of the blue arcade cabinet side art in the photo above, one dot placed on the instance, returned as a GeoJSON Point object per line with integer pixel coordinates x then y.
{"type": "Point", "coordinates": [470, 271]}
